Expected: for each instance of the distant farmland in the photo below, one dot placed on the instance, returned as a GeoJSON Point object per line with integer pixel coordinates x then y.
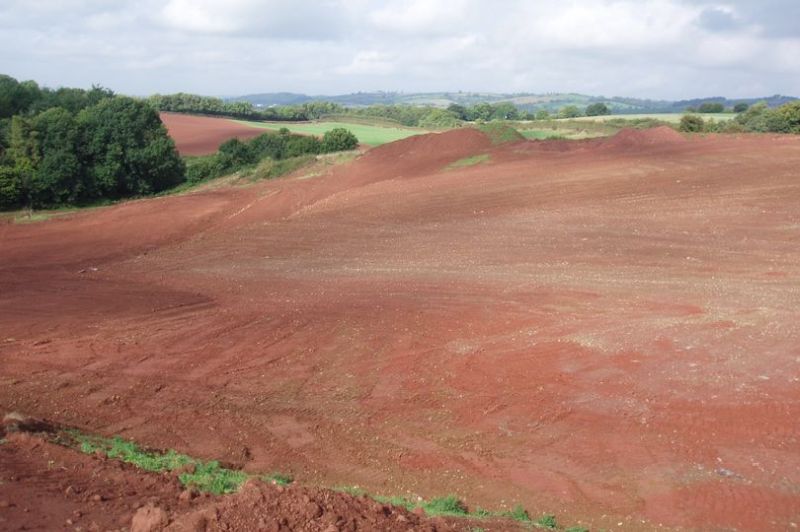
{"type": "Point", "coordinates": [367, 134]}
{"type": "Point", "coordinates": [666, 117]}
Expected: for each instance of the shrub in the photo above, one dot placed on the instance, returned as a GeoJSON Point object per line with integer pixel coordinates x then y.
{"type": "Point", "coordinates": [439, 119]}
{"type": "Point", "coordinates": [234, 154]}
{"type": "Point", "coordinates": [789, 116]}
{"type": "Point", "coordinates": [338, 139]}
{"type": "Point", "coordinates": [201, 168]}
{"type": "Point", "coordinates": [692, 124]}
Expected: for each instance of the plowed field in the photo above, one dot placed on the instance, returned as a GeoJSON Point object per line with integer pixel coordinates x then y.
{"type": "Point", "coordinates": [606, 329]}
{"type": "Point", "coordinates": [202, 135]}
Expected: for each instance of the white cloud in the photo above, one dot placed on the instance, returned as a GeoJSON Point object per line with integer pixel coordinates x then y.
{"type": "Point", "coordinates": [421, 17]}
{"type": "Point", "coordinates": [368, 62]}
{"type": "Point", "coordinates": [597, 24]}
{"type": "Point", "coordinates": [655, 48]}
{"type": "Point", "coordinates": [286, 19]}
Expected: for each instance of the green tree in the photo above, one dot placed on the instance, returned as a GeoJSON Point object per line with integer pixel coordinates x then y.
{"type": "Point", "coordinates": [11, 189]}
{"type": "Point", "coordinates": [127, 149]}
{"type": "Point", "coordinates": [740, 107]}
{"type": "Point", "coordinates": [458, 110]}
{"type": "Point", "coordinates": [711, 107]}
{"type": "Point", "coordinates": [16, 97]}
{"type": "Point", "coordinates": [481, 111]}
{"type": "Point", "coordinates": [439, 119]}
{"type": "Point", "coordinates": [338, 139]}
{"type": "Point", "coordinates": [542, 114]}
{"type": "Point", "coordinates": [505, 111]}
{"type": "Point", "coordinates": [692, 124]}
{"type": "Point", "coordinates": [57, 176]}
{"type": "Point", "coordinates": [789, 117]}
{"type": "Point", "coordinates": [569, 111]}
{"type": "Point", "coordinates": [597, 109]}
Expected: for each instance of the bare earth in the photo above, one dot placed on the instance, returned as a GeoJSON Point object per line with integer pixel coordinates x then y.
{"type": "Point", "coordinates": [606, 330]}
{"type": "Point", "coordinates": [202, 135]}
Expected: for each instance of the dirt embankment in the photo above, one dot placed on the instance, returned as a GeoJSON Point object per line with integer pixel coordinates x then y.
{"type": "Point", "coordinates": [577, 327]}
{"type": "Point", "coordinates": [44, 486]}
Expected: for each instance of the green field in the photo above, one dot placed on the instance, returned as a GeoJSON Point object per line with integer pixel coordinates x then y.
{"type": "Point", "coordinates": [366, 134]}
{"type": "Point", "coordinates": [673, 118]}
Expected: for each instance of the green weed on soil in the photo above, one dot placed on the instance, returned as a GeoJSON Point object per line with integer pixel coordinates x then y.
{"type": "Point", "coordinates": [209, 476]}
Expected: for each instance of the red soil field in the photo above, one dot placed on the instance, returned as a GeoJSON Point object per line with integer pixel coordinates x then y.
{"type": "Point", "coordinates": [606, 329]}
{"type": "Point", "coordinates": [202, 135]}
{"type": "Point", "coordinates": [51, 487]}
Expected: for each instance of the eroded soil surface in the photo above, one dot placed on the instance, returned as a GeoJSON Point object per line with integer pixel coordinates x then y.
{"type": "Point", "coordinates": [606, 330]}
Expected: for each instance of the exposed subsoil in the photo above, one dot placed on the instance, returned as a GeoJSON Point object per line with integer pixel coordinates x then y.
{"type": "Point", "coordinates": [603, 329]}
{"type": "Point", "coordinates": [202, 135]}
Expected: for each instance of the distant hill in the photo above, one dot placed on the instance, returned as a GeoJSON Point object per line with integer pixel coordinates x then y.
{"type": "Point", "coordinates": [524, 101]}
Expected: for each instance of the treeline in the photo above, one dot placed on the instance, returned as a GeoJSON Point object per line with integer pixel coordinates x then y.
{"type": "Point", "coordinates": [408, 115]}
{"type": "Point", "coordinates": [205, 105]}
{"type": "Point", "coordinates": [456, 114]}
{"type": "Point", "coordinates": [235, 155]}
{"type": "Point", "coordinates": [72, 146]}
{"type": "Point", "coordinates": [756, 119]}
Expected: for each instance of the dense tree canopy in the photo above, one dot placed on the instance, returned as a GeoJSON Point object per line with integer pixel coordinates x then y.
{"type": "Point", "coordinates": [757, 118]}
{"type": "Point", "coordinates": [192, 103]}
{"type": "Point", "coordinates": [72, 146]}
{"type": "Point", "coordinates": [597, 109]}
{"type": "Point", "coordinates": [128, 149]}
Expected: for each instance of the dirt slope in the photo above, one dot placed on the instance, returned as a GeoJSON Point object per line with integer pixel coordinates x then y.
{"type": "Point", "coordinates": [602, 329]}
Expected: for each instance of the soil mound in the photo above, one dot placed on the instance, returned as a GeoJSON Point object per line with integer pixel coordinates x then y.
{"type": "Point", "coordinates": [639, 138]}
{"type": "Point", "coordinates": [259, 506]}
{"type": "Point", "coordinates": [423, 154]}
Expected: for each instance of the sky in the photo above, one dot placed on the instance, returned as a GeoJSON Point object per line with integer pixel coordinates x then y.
{"type": "Point", "coordinates": [660, 49]}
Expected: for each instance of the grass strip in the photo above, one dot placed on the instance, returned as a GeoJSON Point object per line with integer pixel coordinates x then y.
{"type": "Point", "coordinates": [208, 476]}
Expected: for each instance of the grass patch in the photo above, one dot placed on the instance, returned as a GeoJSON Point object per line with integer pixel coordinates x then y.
{"type": "Point", "coordinates": [209, 476]}
{"type": "Point", "coordinates": [547, 521]}
{"type": "Point", "coordinates": [271, 168]}
{"type": "Point", "coordinates": [372, 135]}
{"type": "Point", "coordinates": [30, 216]}
{"type": "Point", "coordinates": [541, 134]}
{"type": "Point", "coordinates": [470, 161]}
{"type": "Point", "coordinates": [500, 133]}
{"type": "Point", "coordinates": [277, 478]}
{"type": "Point", "coordinates": [518, 514]}
{"type": "Point", "coordinates": [450, 506]}
{"type": "Point", "coordinates": [355, 491]}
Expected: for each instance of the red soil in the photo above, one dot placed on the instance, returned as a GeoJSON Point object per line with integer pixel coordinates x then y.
{"type": "Point", "coordinates": [202, 135]}
{"type": "Point", "coordinates": [48, 487]}
{"type": "Point", "coordinates": [603, 329]}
